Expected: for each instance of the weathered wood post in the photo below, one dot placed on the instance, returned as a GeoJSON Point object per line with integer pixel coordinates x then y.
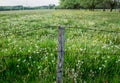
{"type": "Point", "coordinates": [61, 42]}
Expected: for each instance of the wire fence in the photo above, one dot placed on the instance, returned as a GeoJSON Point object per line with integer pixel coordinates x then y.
{"type": "Point", "coordinates": [75, 27]}
{"type": "Point", "coordinates": [66, 27]}
{"type": "Point", "coordinates": [55, 27]}
{"type": "Point", "coordinates": [3, 59]}
{"type": "Point", "coordinates": [65, 52]}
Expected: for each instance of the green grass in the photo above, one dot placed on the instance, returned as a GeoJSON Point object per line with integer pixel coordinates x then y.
{"type": "Point", "coordinates": [28, 46]}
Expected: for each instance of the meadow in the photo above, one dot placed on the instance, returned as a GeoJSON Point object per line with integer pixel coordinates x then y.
{"type": "Point", "coordinates": [29, 43]}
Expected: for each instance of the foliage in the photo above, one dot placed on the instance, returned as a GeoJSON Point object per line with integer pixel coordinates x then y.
{"type": "Point", "coordinates": [89, 4]}
{"type": "Point", "coordinates": [73, 4]}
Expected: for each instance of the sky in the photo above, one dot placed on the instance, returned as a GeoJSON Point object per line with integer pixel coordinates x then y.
{"type": "Point", "coordinates": [28, 2]}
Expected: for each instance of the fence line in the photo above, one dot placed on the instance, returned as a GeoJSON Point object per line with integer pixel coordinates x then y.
{"type": "Point", "coordinates": [75, 27]}
{"type": "Point", "coordinates": [93, 29]}
{"type": "Point", "coordinates": [65, 52]}
{"type": "Point", "coordinates": [29, 30]}
{"type": "Point", "coordinates": [51, 26]}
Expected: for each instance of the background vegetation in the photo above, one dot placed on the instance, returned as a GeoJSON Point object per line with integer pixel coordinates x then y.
{"type": "Point", "coordinates": [72, 4]}
{"type": "Point", "coordinates": [20, 7]}
{"type": "Point", "coordinates": [90, 4]}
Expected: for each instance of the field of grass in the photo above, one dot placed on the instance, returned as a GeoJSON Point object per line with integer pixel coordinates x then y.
{"type": "Point", "coordinates": [28, 46]}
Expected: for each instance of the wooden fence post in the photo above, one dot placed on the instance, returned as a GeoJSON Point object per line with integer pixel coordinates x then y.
{"type": "Point", "coordinates": [61, 42]}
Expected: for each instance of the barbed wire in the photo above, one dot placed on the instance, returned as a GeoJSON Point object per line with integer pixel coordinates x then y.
{"type": "Point", "coordinates": [24, 31]}
{"type": "Point", "coordinates": [3, 58]}
{"type": "Point", "coordinates": [75, 27]}
{"type": "Point", "coordinates": [79, 27]}
{"type": "Point", "coordinates": [52, 26]}
{"type": "Point", "coordinates": [65, 52]}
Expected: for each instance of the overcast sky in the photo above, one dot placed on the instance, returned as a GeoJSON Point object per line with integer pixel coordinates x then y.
{"type": "Point", "coordinates": [27, 2]}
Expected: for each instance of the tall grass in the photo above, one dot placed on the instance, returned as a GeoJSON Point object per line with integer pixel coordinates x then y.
{"type": "Point", "coordinates": [28, 46]}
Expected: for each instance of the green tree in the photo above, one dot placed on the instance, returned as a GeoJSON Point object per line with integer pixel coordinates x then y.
{"type": "Point", "coordinates": [112, 4]}
{"type": "Point", "coordinates": [104, 4]}
{"type": "Point", "coordinates": [76, 4]}
{"type": "Point", "coordinates": [91, 4]}
{"type": "Point", "coordinates": [119, 5]}
{"type": "Point", "coordinates": [73, 4]}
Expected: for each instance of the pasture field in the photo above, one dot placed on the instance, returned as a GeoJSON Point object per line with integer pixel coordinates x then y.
{"type": "Point", "coordinates": [28, 46]}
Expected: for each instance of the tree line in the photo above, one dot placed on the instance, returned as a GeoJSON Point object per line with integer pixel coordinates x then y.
{"type": "Point", "coordinates": [20, 7]}
{"type": "Point", "coordinates": [90, 4]}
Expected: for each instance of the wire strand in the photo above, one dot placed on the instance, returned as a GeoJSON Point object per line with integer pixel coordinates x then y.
{"type": "Point", "coordinates": [65, 52]}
